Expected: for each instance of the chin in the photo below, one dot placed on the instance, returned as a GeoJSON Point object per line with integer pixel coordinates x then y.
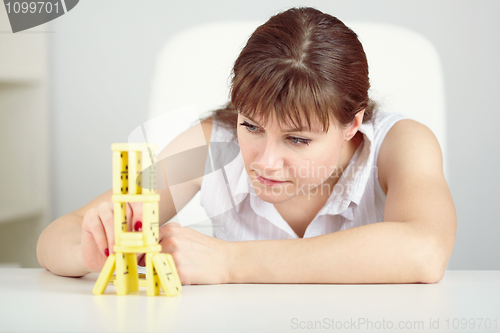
{"type": "Point", "coordinates": [273, 195]}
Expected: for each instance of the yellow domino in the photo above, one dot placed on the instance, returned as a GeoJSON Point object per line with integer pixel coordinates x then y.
{"type": "Point", "coordinates": [105, 275]}
{"type": "Point", "coordinates": [148, 175]}
{"type": "Point", "coordinates": [175, 275]}
{"type": "Point", "coordinates": [139, 249]}
{"type": "Point", "coordinates": [151, 233]}
{"type": "Point", "coordinates": [122, 281]}
{"type": "Point", "coordinates": [168, 282]}
{"type": "Point", "coordinates": [142, 280]}
{"type": "Point", "coordinates": [150, 224]}
{"type": "Point", "coordinates": [142, 284]}
{"type": "Point", "coordinates": [131, 243]}
{"type": "Point", "coordinates": [133, 274]}
{"type": "Point", "coordinates": [135, 197]}
{"type": "Point", "coordinates": [134, 147]}
{"type": "Point", "coordinates": [135, 239]}
{"type": "Point", "coordinates": [135, 167]}
{"type": "Point", "coordinates": [120, 172]}
{"type": "Point", "coordinates": [152, 280]}
{"type": "Point", "coordinates": [120, 216]}
{"type": "Point", "coordinates": [131, 236]}
{"type": "Point", "coordinates": [149, 180]}
{"type": "Point", "coordinates": [133, 184]}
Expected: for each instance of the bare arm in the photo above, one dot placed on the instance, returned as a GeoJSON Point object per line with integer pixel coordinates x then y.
{"type": "Point", "coordinates": [75, 244]}
{"type": "Point", "coordinates": [59, 246]}
{"type": "Point", "coordinates": [412, 244]}
{"type": "Point", "coordinates": [375, 253]}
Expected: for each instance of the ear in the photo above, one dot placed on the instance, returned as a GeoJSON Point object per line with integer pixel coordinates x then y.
{"type": "Point", "coordinates": [353, 128]}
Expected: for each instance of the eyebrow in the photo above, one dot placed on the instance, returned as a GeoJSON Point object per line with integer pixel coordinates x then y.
{"type": "Point", "coordinates": [290, 130]}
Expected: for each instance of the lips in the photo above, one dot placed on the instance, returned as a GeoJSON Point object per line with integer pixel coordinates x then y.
{"type": "Point", "coordinates": [267, 181]}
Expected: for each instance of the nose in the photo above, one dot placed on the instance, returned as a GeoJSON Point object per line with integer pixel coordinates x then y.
{"type": "Point", "coordinates": [270, 158]}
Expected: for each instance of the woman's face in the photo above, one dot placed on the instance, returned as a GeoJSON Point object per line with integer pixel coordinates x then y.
{"type": "Point", "coordinates": [284, 163]}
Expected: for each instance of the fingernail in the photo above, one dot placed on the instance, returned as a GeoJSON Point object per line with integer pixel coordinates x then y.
{"type": "Point", "coordinates": [138, 226]}
{"type": "Point", "coordinates": [106, 252]}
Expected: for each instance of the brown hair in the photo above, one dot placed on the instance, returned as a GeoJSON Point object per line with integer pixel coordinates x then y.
{"type": "Point", "coordinates": [300, 64]}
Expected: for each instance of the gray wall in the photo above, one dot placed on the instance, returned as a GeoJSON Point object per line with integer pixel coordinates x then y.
{"type": "Point", "coordinates": [102, 56]}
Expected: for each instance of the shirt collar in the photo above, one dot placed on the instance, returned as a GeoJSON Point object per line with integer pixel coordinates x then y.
{"type": "Point", "coordinates": [345, 197]}
{"type": "Point", "coordinates": [350, 188]}
{"type": "Point", "coordinates": [262, 208]}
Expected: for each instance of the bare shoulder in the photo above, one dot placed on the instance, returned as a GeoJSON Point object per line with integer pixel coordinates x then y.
{"type": "Point", "coordinates": [186, 155]}
{"type": "Point", "coordinates": [195, 136]}
{"type": "Point", "coordinates": [409, 148]}
{"type": "Point", "coordinates": [410, 169]}
{"type": "Point", "coordinates": [206, 127]}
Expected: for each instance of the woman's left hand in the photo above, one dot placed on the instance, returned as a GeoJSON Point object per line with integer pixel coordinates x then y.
{"type": "Point", "coordinates": [199, 259]}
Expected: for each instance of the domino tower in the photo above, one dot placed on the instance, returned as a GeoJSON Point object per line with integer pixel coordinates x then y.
{"type": "Point", "coordinates": [131, 184]}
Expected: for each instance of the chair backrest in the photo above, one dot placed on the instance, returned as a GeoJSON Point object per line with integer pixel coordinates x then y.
{"type": "Point", "coordinates": [194, 68]}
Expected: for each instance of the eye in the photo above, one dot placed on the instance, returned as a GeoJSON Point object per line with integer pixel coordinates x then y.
{"type": "Point", "coordinates": [299, 141]}
{"type": "Point", "coordinates": [296, 141]}
{"type": "Point", "coordinates": [251, 128]}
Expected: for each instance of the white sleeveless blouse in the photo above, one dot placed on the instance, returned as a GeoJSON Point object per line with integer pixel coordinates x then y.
{"type": "Point", "coordinates": [238, 214]}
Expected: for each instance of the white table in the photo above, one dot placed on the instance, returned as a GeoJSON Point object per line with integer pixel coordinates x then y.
{"type": "Point", "coordinates": [34, 300]}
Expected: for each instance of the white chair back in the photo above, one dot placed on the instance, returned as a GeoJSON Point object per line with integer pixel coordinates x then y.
{"type": "Point", "coordinates": [194, 68]}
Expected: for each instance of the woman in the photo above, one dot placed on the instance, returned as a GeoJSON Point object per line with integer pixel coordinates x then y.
{"type": "Point", "coordinates": [325, 190]}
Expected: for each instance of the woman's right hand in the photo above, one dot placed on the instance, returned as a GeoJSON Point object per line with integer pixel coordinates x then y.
{"type": "Point", "coordinates": [98, 232]}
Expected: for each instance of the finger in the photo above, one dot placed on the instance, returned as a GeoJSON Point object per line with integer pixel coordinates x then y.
{"type": "Point", "coordinates": [130, 215]}
{"type": "Point", "coordinates": [92, 225]}
{"type": "Point", "coordinates": [137, 208]}
{"type": "Point", "coordinates": [167, 230]}
{"type": "Point", "coordinates": [167, 237]}
{"type": "Point", "coordinates": [141, 260]}
{"type": "Point", "coordinates": [106, 216]}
